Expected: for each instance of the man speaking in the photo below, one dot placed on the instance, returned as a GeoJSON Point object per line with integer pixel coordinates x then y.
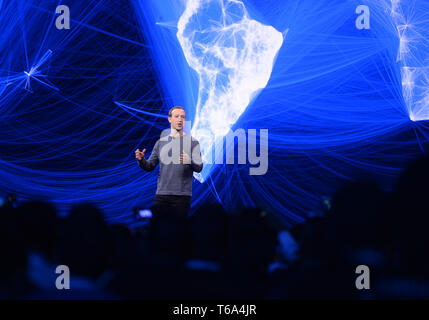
{"type": "Point", "coordinates": [178, 155]}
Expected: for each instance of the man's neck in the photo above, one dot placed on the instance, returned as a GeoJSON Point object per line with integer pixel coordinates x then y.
{"type": "Point", "coordinates": [176, 133]}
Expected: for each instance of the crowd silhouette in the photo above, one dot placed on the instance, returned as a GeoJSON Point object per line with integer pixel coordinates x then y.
{"type": "Point", "coordinates": [215, 254]}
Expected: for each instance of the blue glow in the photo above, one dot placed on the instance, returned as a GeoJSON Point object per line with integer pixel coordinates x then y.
{"type": "Point", "coordinates": [233, 56]}
{"type": "Point", "coordinates": [75, 104]}
{"type": "Point", "coordinates": [411, 22]}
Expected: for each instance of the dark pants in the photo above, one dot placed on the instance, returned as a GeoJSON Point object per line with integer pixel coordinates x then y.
{"type": "Point", "coordinates": [169, 229]}
{"type": "Point", "coordinates": [173, 206]}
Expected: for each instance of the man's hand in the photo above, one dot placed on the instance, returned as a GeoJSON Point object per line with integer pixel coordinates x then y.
{"type": "Point", "coordinates": [140, 154]}
{"type": "Point", "coordinates": [184, 158]}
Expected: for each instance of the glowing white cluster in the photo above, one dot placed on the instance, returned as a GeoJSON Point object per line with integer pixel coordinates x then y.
{"type": "Point", "coordinates": [233, 56]}
{"type": "Point", "coordinates": [413, 56]}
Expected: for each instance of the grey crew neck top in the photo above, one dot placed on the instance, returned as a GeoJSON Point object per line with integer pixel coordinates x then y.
{"type": "Point", "coordinates": [174, 178]}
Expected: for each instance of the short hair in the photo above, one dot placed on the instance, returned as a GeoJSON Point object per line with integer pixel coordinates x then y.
{"type": "Point", "coordinates": [170, 113]}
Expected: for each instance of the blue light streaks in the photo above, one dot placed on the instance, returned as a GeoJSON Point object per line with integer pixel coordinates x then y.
{"type": "Point", "coordinates": [410, 20]}
{"type": "Point", "coordinates": [233, 56]}
{"type": "Point", "coordinates": [63, 138]}
{"type": "Point", "coordinates": [333, 103]}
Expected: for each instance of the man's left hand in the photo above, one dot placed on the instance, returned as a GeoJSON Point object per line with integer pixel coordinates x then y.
{"type": "Point", "coordinates": [184, 158]}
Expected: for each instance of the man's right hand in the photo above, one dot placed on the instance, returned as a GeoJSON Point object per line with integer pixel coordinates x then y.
{"type": "Point", "coordinates": [140, 154]}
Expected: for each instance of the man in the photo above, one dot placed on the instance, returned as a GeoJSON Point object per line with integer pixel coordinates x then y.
{"type": "Point", "coordinates": [179, 156]}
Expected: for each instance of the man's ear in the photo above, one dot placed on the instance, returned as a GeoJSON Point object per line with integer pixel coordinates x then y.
{"type": "Point", "coordinates": [169, 119]}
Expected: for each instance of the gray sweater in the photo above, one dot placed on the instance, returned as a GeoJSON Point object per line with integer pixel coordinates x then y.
{"type": "Point", "coordinates": [174, 178]}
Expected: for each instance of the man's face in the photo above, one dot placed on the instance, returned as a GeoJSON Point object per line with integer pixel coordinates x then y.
{"type": "Point", "coordinates": [177, 119]}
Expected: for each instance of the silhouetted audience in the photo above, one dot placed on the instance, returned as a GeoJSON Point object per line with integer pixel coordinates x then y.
{"type": "Point", "coordinates": [215, 254]}
{"type": "Point", "coordinates": [13, 278]}
{"type": "Point", "coordinates": [205, 266]}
